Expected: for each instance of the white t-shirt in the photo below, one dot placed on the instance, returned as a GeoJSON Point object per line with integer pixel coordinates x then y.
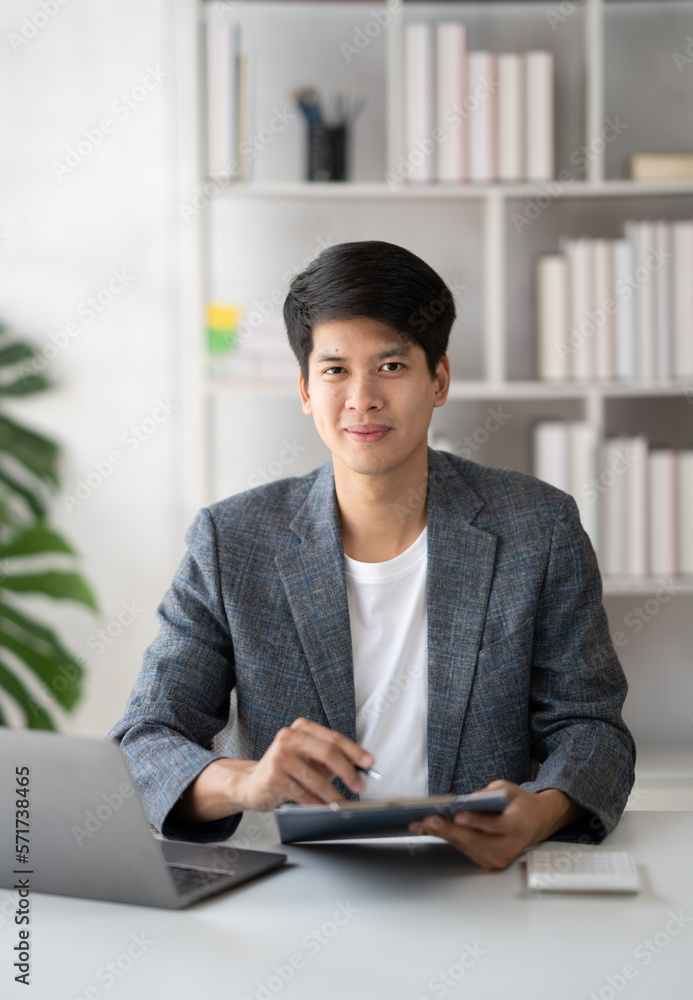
{"type": "Point", "coordinates": [387, 610]}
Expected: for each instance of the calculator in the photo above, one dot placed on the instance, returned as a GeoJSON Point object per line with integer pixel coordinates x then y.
{"type": "Point", "coordinates": [578, 869]}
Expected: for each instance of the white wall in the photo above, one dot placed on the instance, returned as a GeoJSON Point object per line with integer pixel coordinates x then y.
{"type": "Point", "coordinates": [62, 239]}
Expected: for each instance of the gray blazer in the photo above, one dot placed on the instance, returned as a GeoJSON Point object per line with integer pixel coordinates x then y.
{"type": "Point", "coordinates": [521, 666]}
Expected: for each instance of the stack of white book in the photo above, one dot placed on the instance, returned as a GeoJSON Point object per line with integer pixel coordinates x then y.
{"type": "Point", "coordinates": [230, 87]}
{"type": "Point", "coordinates": [474, 116]}
{"type": "Point", "coordinates": [618, 309]}
{"type": "Point", "coordinates": [646, 511]}
{"type": "Point", "coordinates": [637, 503]}
{"type": "Point", "coordinates": [564, 454]}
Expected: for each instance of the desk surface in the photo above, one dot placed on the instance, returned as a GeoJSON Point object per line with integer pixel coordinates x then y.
{"type": "Point", "coordinates": [379, 921]}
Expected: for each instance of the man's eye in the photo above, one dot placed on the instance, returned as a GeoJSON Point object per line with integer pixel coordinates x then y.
{"type": "Point", "coordinates": [335, 368]}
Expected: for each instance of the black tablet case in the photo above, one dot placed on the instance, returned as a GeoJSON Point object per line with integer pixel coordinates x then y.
{"type": "Point", "coordinates": [376, 819]}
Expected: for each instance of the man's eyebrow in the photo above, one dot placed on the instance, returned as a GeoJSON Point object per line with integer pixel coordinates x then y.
{"type": "Point", "coordinates": [398, 351]}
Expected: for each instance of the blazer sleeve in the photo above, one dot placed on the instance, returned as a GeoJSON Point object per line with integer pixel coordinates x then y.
{"type": "Point", "coordinates": [578, 687]}
{"type": "Point", "coordinates": [181, 697]}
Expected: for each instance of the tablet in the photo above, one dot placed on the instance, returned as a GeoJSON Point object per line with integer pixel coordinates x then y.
{"type": "Point", "coordinates": [377, 817]}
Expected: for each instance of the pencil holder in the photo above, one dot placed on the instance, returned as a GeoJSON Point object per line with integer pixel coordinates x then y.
{"type": "Point", "coordinates": [327, 152]}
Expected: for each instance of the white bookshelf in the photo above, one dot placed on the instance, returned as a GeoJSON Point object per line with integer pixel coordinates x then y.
{"type": "Point", "coordinates": [463, 230]}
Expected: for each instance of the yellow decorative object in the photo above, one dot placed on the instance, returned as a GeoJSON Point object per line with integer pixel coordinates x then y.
{"type": "Point", "coordinates": [222, 327]}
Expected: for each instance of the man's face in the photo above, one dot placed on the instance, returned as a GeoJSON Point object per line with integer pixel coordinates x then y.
{"type": "Point", "coordinates": [363, 376]}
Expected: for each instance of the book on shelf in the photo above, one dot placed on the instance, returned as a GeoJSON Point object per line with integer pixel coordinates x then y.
{"type": "Point", "coordinates": [550, 453]}
{"type": "Point", "coordinates": [684, 507]}
{"type": "Point", "coordinates": [662, 512]}
{"type": "Point", "coordinates": [451, 88]}
{"type": "Point", "coordinates": [482, 115]}
{"type": "Point", "coordinates": [579, 342]}
{"type": "Point", "coordinates": [635, 502]}
{"type": "Point", "coordinates": [663, 294]}
{"type": "Point", "coordinates": [475, 115]}
{"type": "Point", "coordinates": [661, 166]}
{"type": "Point", "coordinates": [510, 120]}
{"type": "Point", "coordinates": [636, 519]}
{"type": "Point", "coordinates": [230, 86]}
{"type": "Point", "coordinates": [602, 287]}
{"type": "Point", "coordinates": [552, 317]}
{"type": "Point", "coordinates": [625, 347]}
{"type": "Point", "coordinates": [246, 97]}
{"type": "Point", "coordinates": [419, 93]}
{"type": "Point", "coordinates": [564, 455]}
{"type": "Point", "coordinates": [582, 446]}
{"type": "Point", "coordinates": [621, 309]}
{"type": "Point", "coordinates": [642, 236]}
{"type": "Point", "coordinates": [647, 500]}
{"type": "Point", "coordinates": [613, 506]}
{"type": "Point", "coordinates": [539, 110]}
{"type": "Point", "coordinates": [682, 311]}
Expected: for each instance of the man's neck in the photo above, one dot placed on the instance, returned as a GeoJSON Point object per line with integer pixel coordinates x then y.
{"type": "Point", "coordinates": [382, 515]}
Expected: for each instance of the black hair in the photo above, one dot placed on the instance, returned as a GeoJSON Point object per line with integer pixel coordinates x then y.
{"type": "Point", "coordinates": [370, 278]}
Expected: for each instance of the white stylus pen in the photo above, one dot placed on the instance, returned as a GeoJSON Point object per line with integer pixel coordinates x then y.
{"type": "Point", "coordinates": [369, 771]}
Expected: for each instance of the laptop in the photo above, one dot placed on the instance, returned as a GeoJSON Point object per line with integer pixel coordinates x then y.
{"type": "Point", "coordinates": [72, 823]}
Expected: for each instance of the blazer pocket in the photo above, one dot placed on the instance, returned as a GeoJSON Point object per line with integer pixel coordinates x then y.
{"type": "Point", "coordinates": [511, 641]}
{"type": "Point", "coordinates": [501, 681]}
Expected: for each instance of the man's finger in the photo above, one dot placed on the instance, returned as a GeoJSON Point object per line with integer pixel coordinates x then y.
{"type": "Point", "coordinates": [302, 795]}
{"type": "Point", "coordinates": [500, 784]}
{"type": "Point", "coordinates": [328, 753]}
{"type": "Point", "coordinates": [308, 776]}
{"type": "Point", "coordinates": [484, 822]}
{"type": "Point", "coordinates": [352, 751]}
{"type": "Point", "coordinates": [490, 853]}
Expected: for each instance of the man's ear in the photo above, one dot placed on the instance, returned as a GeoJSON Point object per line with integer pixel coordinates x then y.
{"type": "Point", "coordinates": [305, 397]}
{"type": "Point", "coordinates": [443, 377]}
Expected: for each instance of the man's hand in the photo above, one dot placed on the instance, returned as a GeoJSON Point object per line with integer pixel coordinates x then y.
{"type": "Point", "coordinates": [298, 766]}
{"type": "Point", "coordinates": [495, 841]}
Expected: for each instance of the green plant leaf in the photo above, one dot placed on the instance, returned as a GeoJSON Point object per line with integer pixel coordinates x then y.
{"type": "Point", "coordinates": [36, 717]}
{"type": "Point", "coordinates": [64, 684]}
{"type": "Point", "coordinates": [25, 386]}
{"type": "Point", "coordinates": [35, 633]}
{"type": "Point", "coordinates": [36, 504]}
{"type": "Point", "coordinates": [66, 586]}
{"type": "Point", "coordinates": [12, 354]}
{"type": "Point", "coordinates": [37, 453]}
{"type": "Point", "coordinates": [38, 538]}
{"type": "Point", "coordinates": [36, 646]}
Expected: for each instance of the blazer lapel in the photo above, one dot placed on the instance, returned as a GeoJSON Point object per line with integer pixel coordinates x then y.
{"type": "Point", "coordinates": [315, 584]}
{"type": "Point", "coordinates": [460, 569]}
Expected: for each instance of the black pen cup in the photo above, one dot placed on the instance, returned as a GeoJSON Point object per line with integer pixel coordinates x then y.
{"type": "Point", "coordinates": [327, 152]}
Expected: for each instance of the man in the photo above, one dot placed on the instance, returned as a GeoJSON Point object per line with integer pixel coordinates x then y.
{"type": "Point", "coordinates": [398, 606]}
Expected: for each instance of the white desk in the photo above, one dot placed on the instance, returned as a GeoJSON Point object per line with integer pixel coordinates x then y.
{"type": "Point", "coordinates": [413, 915]}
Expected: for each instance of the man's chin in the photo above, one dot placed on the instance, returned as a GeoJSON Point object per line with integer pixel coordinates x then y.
{"type": "Point", "coordinates": [368, 463]}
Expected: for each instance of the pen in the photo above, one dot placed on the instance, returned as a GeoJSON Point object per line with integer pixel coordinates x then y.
{"type": "Point", "coordinates": [307, 99]}
{"type": "Point", "coordinates": [368, 771]}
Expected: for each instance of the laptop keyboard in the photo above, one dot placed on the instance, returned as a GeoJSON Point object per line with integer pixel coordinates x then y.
{"type": "Point", "coordinates": [187, 879]}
